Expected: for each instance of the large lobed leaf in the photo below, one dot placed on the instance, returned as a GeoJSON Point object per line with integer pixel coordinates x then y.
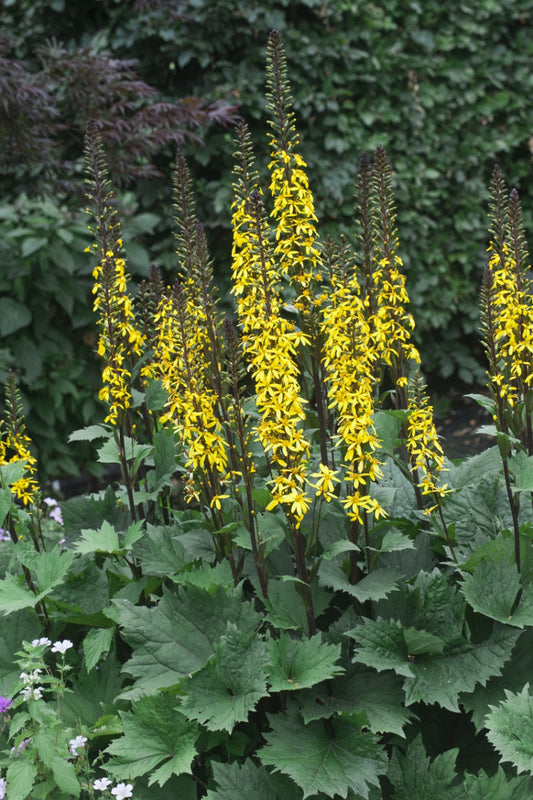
{"type": "Point", "coordinates": [177, 637]}
{"type": "Point", "coordinates": [301, 663]}
{"type": "Point", "coordinates": [230, 685]}
{"type": "Point", "coordinates": [492, 590]}
{"type": "Point", "coordinates": [156, 731]}
{"type": "Point", "coordinates": [235, 782]}
{"type": "Point", "coordinates": [432, 676]}
{"type": "Point", "coordinates": [510, 729]}
{"type": "Point", "coordinates": [330, 756]}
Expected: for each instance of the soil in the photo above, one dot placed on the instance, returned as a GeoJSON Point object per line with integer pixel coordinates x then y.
{"type": "Point", "coordinates": [458, 420]}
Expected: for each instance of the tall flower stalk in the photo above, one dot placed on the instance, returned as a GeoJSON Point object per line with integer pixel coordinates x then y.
{"type": "Point", "coordinates": [507, 325]}
{"type": "Point", "coordinates": [15, 446]}
{"type": "Point", "coordinates": [120, 342]}
{"type": "Point", "coordinates": [297, 246]}
{"type": "Point", "coordinates": [270, 343]}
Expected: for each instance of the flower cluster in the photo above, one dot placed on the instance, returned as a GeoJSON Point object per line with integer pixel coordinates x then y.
{"type": "Point", "coordinates": [294, 209]}
{"type": "Point", "coordinates": [120, 340]}
{"type": "Point", "coordinates": [270, 344]}
{"type": "Point", "coordinates": [391, 325]}
{"type": "Point", "coordinates": [192, 406]}
{"type": "Point", "coordinates": [15, 446]}
{"type": "Point", "coordinates": [423, 446]}
{"type": "Point", "coordinates": [349, 360]}
{"type": "Point", "coordinates": [121, 791]}
{"type": "Point", "coordinates": [512, 320]}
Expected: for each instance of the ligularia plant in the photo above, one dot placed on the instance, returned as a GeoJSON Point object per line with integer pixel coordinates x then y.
{"type": "Point", "coordinates": [286, 590]}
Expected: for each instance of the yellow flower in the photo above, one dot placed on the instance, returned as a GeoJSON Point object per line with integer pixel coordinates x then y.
{"type": "Point", "coordinates": [326, 480]}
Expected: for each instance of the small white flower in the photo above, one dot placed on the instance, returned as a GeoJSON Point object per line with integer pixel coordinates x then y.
{"type": "Point", "coordinates": [76, 744]}
{"type": "Point", "coordinates": [2, 788]}
{"type": "Point", "coordinates": [122, 790]}
{"type": "Point", "coordinates": [62, 647]}
{"type": "Point", "coordinates": [30, 693]}
{"type": "Point", "coordinates": [101, 784]}
{"type": "Point", "coordinates": [31, 677]}
{"type": "Point", "coordinates": [56, 515]}
{"type": "Point", "coordinates": [41, 642]}
{"type": "Point", "coordinates": [50, 501]}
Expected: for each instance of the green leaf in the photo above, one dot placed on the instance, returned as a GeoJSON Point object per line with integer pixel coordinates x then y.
{"type": "Point", "coordinates": [178, 636]}
{"type": "Point", "coordinates": [97, 642]}
{"type": "Point", "coordinates": [160, 552]}
{"type": "Point", "coordinates": [496, 787]}
{"type": "Point", "coordinates": [375, 586]}
{"type": "Point", "coordinates": [240, 782]}
{"type": "Point", "coordinates": [442, 678]}
{"type": "Point", "coordinates": [14, 630]}
{"type": "Point", "coordinates": [14, 597]}
{"type": "Point", "coordinates": [93, 693]}
{"type": "Point", "coordinates": [413, 776]}
{"type": "Point", "coordinates": [132, 535]}
{"type": "Point", "coordinates": [510, 729]}
{"type": "Point", "coordinates": [65, 776]}
{"type": "Point", "coordinates": [45, 742]}
{"type": "Point", "coordinates": [388, 425]}
{"type": "Point", "coordinates": [20, 777]}
{"type": "Point", "coordinates": [90, 433]}
{"type": "Point", "coordinates": [431, 603]}
{"type": "Point", "coordinates": [156, 396]}
{"type": "Point", "coordinates": [395, 540]}
{"type": "Point", "coordinates": [103, 540]}
{"type": "Point", "coordinates": [155, 732]}
{"type": "Point", "coordinates": [285, 608]}
{"type": "Point", "coordinates": [206, 576]}
{"type": "Point", "coordinates": [31, 244]}
{"type": "Point", "coordinates": [333, 758]}
{"type": "Point", "coordinates": [11, 473]}
{"type": "Point", "coordinates": [379, 695]}
{"type": "Point", "coordinates": [337, 548]}
{"type": "Point", "coordinates": [225, 691]}
{"type": "Point", "coordinates": [521, 467]}
{"type": "Point", "coordinates": [381, 645]}
{"type": "Point", "coordinates": [82, 513]}
{"type": "Point", "coordinates": [271, 529]}
{"type": "Point", "coordinates": [433, 678]}
{"type": "Point", "coordinates": [418, 642]}
{"type": "Point", "coordinates": [515, 673]}
{"type": "Point", "coordinates": [492, 590]}
{"type": "Point", "coordinates": [164, 457]}
{"type": "Point", "coordinates": [5, 504]}
{"type": "Point", "coordinates": [13, 316]}
{"type": "Point", "coordinates": [301, 663]}
{"type": "Point", "coordinates": [50, 567]}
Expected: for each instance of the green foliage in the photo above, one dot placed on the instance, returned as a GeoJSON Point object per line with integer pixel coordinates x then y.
{"type": "Point", "coordinates": [355, 635]}
{"type": "Point", "coordinates": [510, 729]}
